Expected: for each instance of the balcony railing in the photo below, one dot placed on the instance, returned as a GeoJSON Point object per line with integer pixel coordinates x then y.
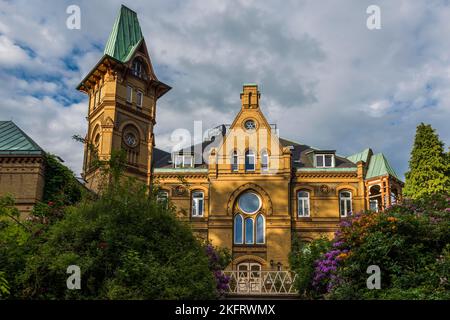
{"type": "Point", "coordinates": [261, 282]}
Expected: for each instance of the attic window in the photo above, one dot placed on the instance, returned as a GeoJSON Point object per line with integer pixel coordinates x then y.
{"type": "Point", "coordinates": [324, 160]}
{"type": "Point", "coordinates": [138, 69]}
{"type": "Point", "coordinates": [183, 161]}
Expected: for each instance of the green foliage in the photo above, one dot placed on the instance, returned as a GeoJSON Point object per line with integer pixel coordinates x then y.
{"type": "Point", "coordinates": [4, 287]}
{"type": "Point", "coordinates": [429, 165]}
{"type": "Point", "coordinates": [409, 243]}
{"type": "Point", "coordinates": [301, 260]}
{"type": "Point", "coordinates": [61, 186]}
{"type": "Point", "coordinates": [127, 245]}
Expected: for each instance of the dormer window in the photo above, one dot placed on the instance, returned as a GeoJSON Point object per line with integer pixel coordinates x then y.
{"type": "Point", "coordinates": [324, 160]}
{"type": "Point", "coordinates": [183, 161]}
{"type": "Point", "coordinates": [138, 69]}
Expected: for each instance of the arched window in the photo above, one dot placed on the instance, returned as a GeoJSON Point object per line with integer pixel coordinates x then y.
{"type": "Point", "coordinates": [260, 229]}
{"type": "Point", "coordinates": [138, 68]}
{"type": "Point", "coordinates": [238, 229]}
{"type": "Point", "coordinates": [303, 203]}
{"type": "Point", "coordinates": [264, 161]}
{"type": "Point", "coordinates": [345, 203]}
{"type": "Point", "coordinates": [234, 161]}
{"type": "Point", "coordinates": [197, 204]}
{"type": "Point", "coordinates": [249, 160]}
{"type": "Point", "coordinates": [249, 232]}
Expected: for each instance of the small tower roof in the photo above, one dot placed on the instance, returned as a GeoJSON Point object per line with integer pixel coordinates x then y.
{"type": "Point", "coordinates": [125, 36]}
{"type": "Point", "coordinates": [379, 166]}
{"type": "Point", "coordinates": [361, 156]}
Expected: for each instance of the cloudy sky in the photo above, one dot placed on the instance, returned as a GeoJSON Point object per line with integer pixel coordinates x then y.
{"type": "Point", "coordinates": [325, 78]}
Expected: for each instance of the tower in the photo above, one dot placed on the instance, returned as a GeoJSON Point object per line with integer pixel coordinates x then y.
{"type": "Point", "coordinates": [123, 90]}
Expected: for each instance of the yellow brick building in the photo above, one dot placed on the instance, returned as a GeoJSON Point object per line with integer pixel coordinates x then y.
{"type": "Point", "coordinates": [244, 187]}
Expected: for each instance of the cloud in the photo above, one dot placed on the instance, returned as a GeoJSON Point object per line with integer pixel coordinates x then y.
{"type": "Point", "coordinates": [326, 80]}
{"type": "Point", "coordinates": [11, 54]}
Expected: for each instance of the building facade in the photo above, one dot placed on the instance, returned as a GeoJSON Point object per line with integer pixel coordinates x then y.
{"type": "Point", "coordinates": [244, 187]}
{"type": "Point", "coordinates": [22, 167]}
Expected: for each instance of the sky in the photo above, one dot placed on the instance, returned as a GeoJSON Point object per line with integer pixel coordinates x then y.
{"type": "Point", "coordinates": [325, 79]}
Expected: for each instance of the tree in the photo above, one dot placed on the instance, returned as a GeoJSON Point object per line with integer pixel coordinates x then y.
{"type": "Point", "coordinates": [429, 165]}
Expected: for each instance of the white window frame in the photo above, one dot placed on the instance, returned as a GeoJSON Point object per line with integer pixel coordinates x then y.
{"type": "Point", "coordinates": [129, 93]}
{"type": "Point", "coordinates": [301, 204]}
{"type": "Point", "coordinates": [180, 161]}
{"type": "Point", "coordinates": [345, 203]}
{"type": "Point", "coordinates": [323, 155]}
{"type": "Point", "coordinates": [248, 154]}
{"type": "Point", "coordinates": [195, 204]}
{"type": "Point", "coordinates": [139, 98]}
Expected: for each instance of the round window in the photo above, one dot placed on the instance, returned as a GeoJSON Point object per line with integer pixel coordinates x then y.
{"type": "Point", "coordinates": [249, 203]}
{"type": "Point", "coordinates": [250, 125]}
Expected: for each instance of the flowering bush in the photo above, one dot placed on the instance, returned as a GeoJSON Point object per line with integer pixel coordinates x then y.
{"type": "Point", "coordinates": [410, 242]}
{"type": "Point", "coordinates": [219, 259]}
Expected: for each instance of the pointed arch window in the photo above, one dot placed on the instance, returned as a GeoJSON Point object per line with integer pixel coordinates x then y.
{"type": "Point", "coordinates": [260, 226]}
{"type": "Point", "coordinates": [249, 232]}
{"type": "Point", "coordinates": [238, 229]}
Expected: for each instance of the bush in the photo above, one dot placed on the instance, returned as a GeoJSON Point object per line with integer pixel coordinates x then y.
{"type": "Point", "coordinates": [410, 242]}
{"type": "Point", "coordinates": [302, 259]}
{"type": "Point", "coordinates": [127, 245]}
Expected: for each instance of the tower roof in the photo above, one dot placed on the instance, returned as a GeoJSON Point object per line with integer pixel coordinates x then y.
{"type": "Point", "coordinates": [14, 141]}
{"type": "Point", "coordinates": [379, 166]}
{"type": "Point", "coordinates": [125, 36]}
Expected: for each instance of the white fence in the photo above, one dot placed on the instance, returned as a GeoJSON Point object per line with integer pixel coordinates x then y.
{"type": "Point", "coordinates": [261, 282]}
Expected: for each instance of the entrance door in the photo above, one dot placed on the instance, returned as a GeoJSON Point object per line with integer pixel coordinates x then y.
{"type": "Point", "coordinates": [249, 277]}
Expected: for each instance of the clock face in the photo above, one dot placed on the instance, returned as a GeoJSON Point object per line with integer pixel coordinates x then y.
{"type": "Point", "coordinates": [130, 140]}
{"type": "Point", "coordinates": [249, 125]}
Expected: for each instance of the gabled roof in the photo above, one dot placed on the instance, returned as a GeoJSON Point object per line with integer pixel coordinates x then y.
{"type": "Point", "coordinates": [125, 36]}
{"type": "Point", "coordinates": [301, 155]}
{"type": "Point", "coordinates": [14, 141]}
{"type": "Point", "coordinates": [379, 166]}
{"type": "Point", "coordinates": [361, 156]}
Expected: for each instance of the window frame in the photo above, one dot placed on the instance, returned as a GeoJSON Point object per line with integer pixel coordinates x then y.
{"type": "Point", "coordinates": [241, 227]}
{"type": "Point", "coordinates": [129, 97]}
{"type": "Point", "coordinates": [265, 161]}
{"type": "Point", "coordinates": [182, 164]}
{"type": "Point", "coordinates": [250, 154]}
{"type": "Point", "coordinates": [303, 199]}
{"type": "Point", "coordinates": [234, 161]}
{"type": "Point", "coordinates": [195, 206]}
{"type": "Point", "coordinates": [252, 229]}
{"type": "Point", "coordinates": [346, 199]}
{"type": "Point", "coordinates": [323, 156]}
{"type": "Point", "coordinates": [263, 229]}
{"type": "Point", "coordinates": [139, 101]}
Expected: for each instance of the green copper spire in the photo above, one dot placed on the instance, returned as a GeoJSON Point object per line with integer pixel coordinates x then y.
{"type": "Point", "coordinates": [125, 36]}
